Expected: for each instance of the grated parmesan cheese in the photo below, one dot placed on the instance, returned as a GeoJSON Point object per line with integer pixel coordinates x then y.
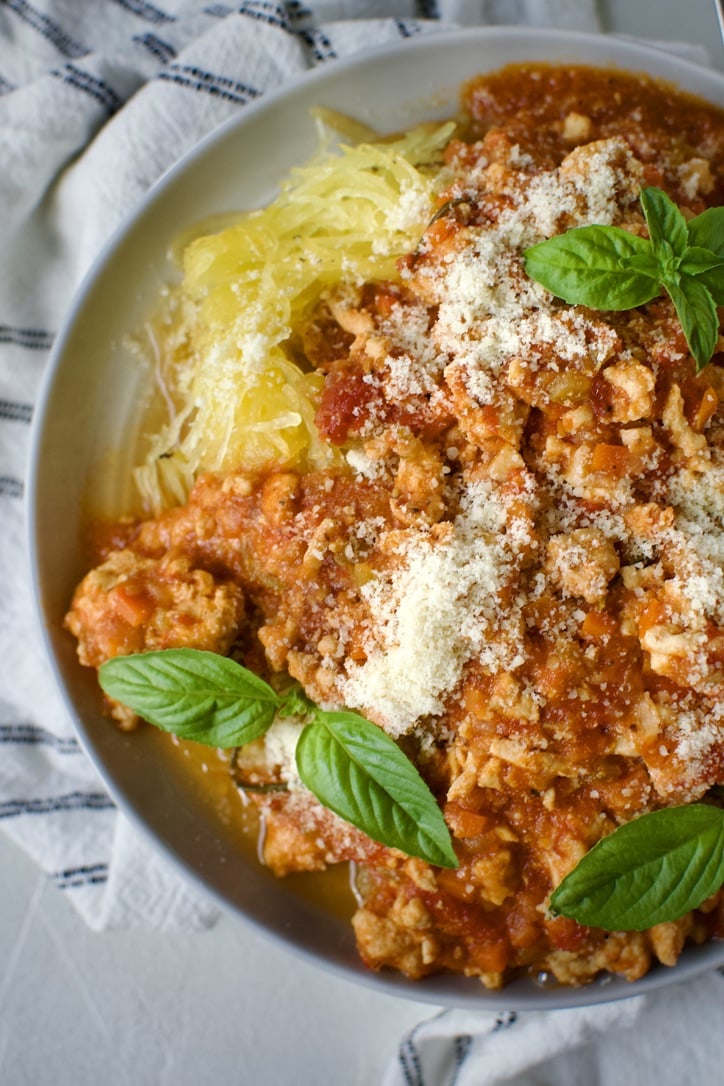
{"type": "Point", "coordinates": [490, 311]}
{"type": "Point", "coordinates": [280, 745]}
{"type": "Point", "coordinates": [439, 607]}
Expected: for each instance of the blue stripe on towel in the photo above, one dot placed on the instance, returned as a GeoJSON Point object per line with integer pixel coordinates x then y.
{"type": "Point", "coordinates": [461, 1047]}
{"type": "Point", "coordinates": [144, 10]}
{"type": "Point", "coordinates": [319, 43]}
{"type": "Point", "coordinates": [11, 487]}
{"type": "Point", "coordinates": [73, 801]}
{"type": "Point", "coordinates": [265, 11]}
{"type": "Point", "coordinates": [86, 875]}
{"type": "Point", "coordinates": [35, 339]}
{"type": "Point", "coordinates": [90, 84]}
{"type": "Point", "coordinates": [15, 411]}
{"type": "Point", "coordinates": [220, 86]}
{"type": "Point", "coordinates": [31, 735]}
{"type": "Point", "coordinates": [48, 27]}
{"type": "Point", "coordinates": [161, 50]}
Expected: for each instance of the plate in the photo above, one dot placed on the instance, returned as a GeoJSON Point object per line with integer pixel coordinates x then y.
{"type": "Point", "coordinates": [84, 434]}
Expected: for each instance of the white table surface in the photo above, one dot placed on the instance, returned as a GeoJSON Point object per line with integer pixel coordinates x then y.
{"type": "Point", "coordinates": [140, 1008]}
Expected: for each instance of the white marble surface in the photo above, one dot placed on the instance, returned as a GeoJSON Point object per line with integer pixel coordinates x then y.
{"type": "Point", "coordinates": [228, 1006]}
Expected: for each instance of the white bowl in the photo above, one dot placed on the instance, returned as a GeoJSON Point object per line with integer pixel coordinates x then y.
{"type": "Point", "coordinates": [83, 437]}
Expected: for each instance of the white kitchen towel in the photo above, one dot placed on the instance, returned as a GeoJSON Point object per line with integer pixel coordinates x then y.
{"type": "Point", "coordinates": [97, 99]}
{"type": "Point", "coordinates": [668, 1038]}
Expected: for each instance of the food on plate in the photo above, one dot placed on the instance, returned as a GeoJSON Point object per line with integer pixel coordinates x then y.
{"type": "Point", "coordinates": [431, 528]}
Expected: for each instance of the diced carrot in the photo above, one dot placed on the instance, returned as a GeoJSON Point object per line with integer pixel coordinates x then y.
{"type": "Point", "coordinates": [653, 615]}
{"type": "Point", "coordinates": [598, 624]}
{"type": "Point", "coordinates": [466, 823]}
{"type": "Point", "coordinates": [707, 408]}
{"type": "Point", "coordinates": [134, 607]}
{"type": "Point", "coordinates": [612, 459]}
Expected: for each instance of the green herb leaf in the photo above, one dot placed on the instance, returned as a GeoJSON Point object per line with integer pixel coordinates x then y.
{"type": "Point", "coordinates": [605, 267]}
{"type": "Point", "coordinates": [707, 230]}
{"type": "Point", "coordinates": [350, 765]}
{"type": "Point", "coordinates": [651, 870]}
{"type": "Point", "coordinates": [357, 771]}
{"type": "Point", "coordinates": [196, 695]}
{"type": "Point", "coordinates": [667, 226]}
{"type": "Point", "coordinates": [712, 278]}
{"type": "Point", "coordinates": [695, 260]}
{"type": "Point", "coordinates": [599, 266]}
{"type": "Point", "coordinates": [697, 314]}
{"type": "Point", "coordinates": [646, 263]}
{"type": "Point", "coordinates": [294, 702]}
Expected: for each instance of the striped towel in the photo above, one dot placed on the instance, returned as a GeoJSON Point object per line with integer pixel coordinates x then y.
{"type": "Point", "coordinates": [666, 1038]}
{"type": "Point", "coordinates": [97, 99]}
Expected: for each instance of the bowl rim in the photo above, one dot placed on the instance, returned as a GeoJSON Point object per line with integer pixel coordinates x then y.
{"type": "Point", "coordinates": [630, 55]}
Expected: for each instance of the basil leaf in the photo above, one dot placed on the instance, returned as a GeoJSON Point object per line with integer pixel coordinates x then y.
{"type": "Point", "coordinates": [697, 314]}
{"type": "Point", "coordinates": [645, 262]}
{"type": "Point", "coordinates": [707, 230]}
{"type": "Point", "coordinates": [713, 280]}
{"type": "Point", "coordinates": [695, 260]}
{"type": "Point", "coordinates": [594, 266]}
{"type": "Point", "coordinates": [667, 226]}
{"type": "Point", "coordinates": [605, 267]}
{"type": "Point", "coordinates": [357, 771]}
{"type": "Point", "coordinates": [651, 870]}
{"type": "Point", "coordinates": [295, 703]}
{"type": "Point", "coordinates": [196, 695]}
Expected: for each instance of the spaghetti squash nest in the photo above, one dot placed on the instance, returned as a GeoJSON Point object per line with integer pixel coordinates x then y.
{"type": "Point", "coordinates": [224, 338]}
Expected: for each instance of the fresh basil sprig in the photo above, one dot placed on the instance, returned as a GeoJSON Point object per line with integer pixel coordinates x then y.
{"type": "Point", "coordinates": [354, 768]}
{"type": "Point", "coordinates": [653, 869]}
{"type": "Point", "coordinates": [196, 695]}
{"type": "Point", "coordinates": [606, 267]}
{"type": "Point", "coordinates": [348, 763]}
